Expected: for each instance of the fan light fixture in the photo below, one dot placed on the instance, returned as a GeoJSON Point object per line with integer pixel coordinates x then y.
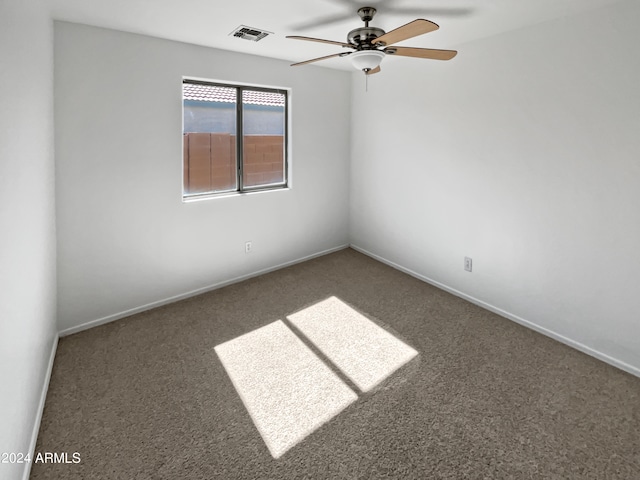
{"type": "Point", "coordinates": [366, 59]}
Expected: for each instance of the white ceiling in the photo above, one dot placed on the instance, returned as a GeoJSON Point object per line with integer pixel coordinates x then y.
{"type": "Point", "coordinates": [209, 22]}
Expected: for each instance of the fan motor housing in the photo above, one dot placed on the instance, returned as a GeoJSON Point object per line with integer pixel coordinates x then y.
{"type": "Point", "coordinates": [363, 36]}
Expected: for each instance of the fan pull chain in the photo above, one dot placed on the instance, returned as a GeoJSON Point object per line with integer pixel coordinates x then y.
{"type": "Point", "coordinates": [366, 82]}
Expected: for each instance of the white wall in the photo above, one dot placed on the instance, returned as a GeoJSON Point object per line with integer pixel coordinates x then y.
{"type": "Point", "coordinates": [524, 154]}
{"type": "Point", "coordinates": [125, 238]}
{"type": "Point", "coordinates": [27, 223]}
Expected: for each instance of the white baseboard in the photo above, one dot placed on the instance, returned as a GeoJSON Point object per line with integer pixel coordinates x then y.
{"type": "Point", "coordinates": [527, 323]}
{"type": "Point", "coordinates": [40, 411]}
{"type": "Point", "coordinates": [193, 293]}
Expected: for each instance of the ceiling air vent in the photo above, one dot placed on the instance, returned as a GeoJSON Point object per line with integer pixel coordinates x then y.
{"type": "Point", "coordinates": [249, 33]}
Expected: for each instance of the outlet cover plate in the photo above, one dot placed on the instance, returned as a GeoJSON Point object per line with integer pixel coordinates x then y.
{"type": "Point", "coordinates": [468, 264]}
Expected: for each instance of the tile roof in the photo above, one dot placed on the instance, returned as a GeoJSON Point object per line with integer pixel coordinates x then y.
{"type": "Point", "coordinates": [214, 93]}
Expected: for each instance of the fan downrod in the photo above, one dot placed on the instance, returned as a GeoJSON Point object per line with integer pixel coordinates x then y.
{"type": "Point", "coordinates": [363, 36]}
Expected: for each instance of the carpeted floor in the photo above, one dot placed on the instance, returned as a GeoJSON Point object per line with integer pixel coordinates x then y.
{"type": "Point", "coordinates": [147, 397]}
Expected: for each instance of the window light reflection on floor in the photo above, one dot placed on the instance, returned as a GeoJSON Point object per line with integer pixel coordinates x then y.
{"type": "Point", "coordinates": [366, 353]}
{"type": "Point", "coordinates": [288, 391]}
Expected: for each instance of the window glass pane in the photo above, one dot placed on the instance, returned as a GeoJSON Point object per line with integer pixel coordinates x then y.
{"type": "Point", "coordinates": [209, 137]}
{"type": "Point", "coordinates": [263, 118]}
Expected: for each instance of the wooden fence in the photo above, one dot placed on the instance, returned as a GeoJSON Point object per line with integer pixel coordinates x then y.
{"type": "Point", "coordinates": [210, 161]}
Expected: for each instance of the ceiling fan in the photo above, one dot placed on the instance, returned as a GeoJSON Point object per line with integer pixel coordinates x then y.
{"type": "Point", "coordinates": [372, 44]}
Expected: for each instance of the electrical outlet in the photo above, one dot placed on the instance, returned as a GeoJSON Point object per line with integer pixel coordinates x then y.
{"type": "Point", "coordinates": [468, 264]}
{"type": "Point", "coordinates": [247, 247]}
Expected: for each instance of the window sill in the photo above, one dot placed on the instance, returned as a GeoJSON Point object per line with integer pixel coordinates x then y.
{"type": "Point", "coordinates": [212, 196]}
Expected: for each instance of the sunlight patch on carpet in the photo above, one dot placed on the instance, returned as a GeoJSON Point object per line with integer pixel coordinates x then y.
{"type": "Point", "coordinates": [287, 390]}
{"type": "Point", "coordinates": [366, 353]}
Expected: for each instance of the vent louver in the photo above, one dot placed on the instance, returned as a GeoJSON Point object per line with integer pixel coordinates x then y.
{"type": "Point", "coordinates": [250, 33]}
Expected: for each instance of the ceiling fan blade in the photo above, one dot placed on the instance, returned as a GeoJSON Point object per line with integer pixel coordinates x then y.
{"type": "Point", "coordinates": [311, 39]}
{"type": "Point", "coordinates": [375, 70]}
{"type": "Point", "coordinates": [421, 53]}
{"type": "Point", "coordinates": [319, 58]}
{"type": "Point", "coordinates": [410, 30]}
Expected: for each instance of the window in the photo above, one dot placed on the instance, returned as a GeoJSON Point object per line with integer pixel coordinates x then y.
{"type": "Point", "coordinates": [234, 138]}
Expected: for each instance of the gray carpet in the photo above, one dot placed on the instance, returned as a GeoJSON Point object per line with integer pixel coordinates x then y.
{"type": "Point", "coordinates": [147, 397]}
